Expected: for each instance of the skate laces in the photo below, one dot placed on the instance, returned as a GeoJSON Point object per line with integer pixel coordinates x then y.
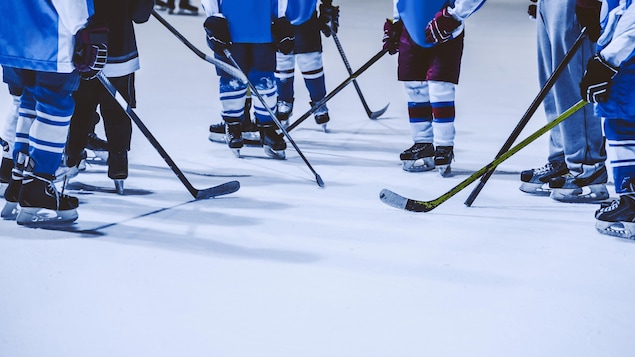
{"type": "Point", "coordinates": [545, 169]}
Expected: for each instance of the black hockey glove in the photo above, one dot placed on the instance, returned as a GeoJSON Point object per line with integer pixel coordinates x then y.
{"type": "Point", "coordinates": [532, 10]}
{"type": "Point", "coordinates": [91, 49]}
{"type": "Point", "coordinates": [218, 37]}
{"type": "Point", "coordinates": [282, 31]}
{"type": "Point", "coordinates": [392, 35]}
{"type": "Point", "coordinates": [440, 29]}
{"type": "Point", "coordinates": [329, 18]}
{"type": "Point", "coordinates": [588, 14]}
{"type": "Point", "coordinates": [595, 84]}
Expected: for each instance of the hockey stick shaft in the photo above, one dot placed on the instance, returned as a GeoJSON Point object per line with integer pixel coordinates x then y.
{"type": "Point", "coordinates": [370, 113]}
{"type": "Point", "coordinates": [233, 71]}
{"type": "Point", "coordinates": [338, 89]}
{"type": "Point", "coordinates": [395, 200]}
{"type": "Point", "coordinates": [197, 194]}
{"type": "Point", "coordinates": [530, 112]}
{"type": "Point", "coordinates": [255, 92]}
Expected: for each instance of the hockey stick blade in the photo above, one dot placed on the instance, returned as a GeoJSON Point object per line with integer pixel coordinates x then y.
{"type": "Point", "coordinates": [197, 194]}
{"type": "Point", "coordinates": [395, 200]}
{"type": "Point", "coordinates": [377, 114]}
{"type": "Point", "coordinates": [220, 190]}
{"type": "Point", "coordinates": [233, 71]}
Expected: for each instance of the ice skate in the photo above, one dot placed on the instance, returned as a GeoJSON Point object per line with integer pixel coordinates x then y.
{"type": "Point", "coordinates": [187, 9]}
{"type": "Point", "coordinates": [618, 218]}
{"type": "Point", "coordinates": [272, 142]}
{"type": "Point", "coordinates": [536, 181]}
{"type": "Point", "coordinates": [42, 205]}
{"type": "Point", "coordinates": [70, 167]}
{"type": "Point", "coordinates": [163, 5]}
{"type": "Point", "coordinates": [443, 156]}
{"type": "Point", "coordinates": [419, 157]}
{"type": "Point", "coordinates": [575, 189]}
{"type": "Point", "coordinates": [118, 168]}
{"type": "Point", "coordinates": [217, 133]}
{"type": "Point", "coordinates": [284, 110]}
{"type": "Point", "coordinates": [11, 195]}
{"type": "Point", "coordinates": [5, 174]}
{"type": "Point", "coordinates": [233, 137]}
{"type": "Point", "coordinates": [98, 146]}
{"type": "Point", "coordinates": [321, 116]}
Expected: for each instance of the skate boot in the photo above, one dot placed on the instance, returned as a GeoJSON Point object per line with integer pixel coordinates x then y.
{"type": "Point", "coordinates": [11, 195]}
{"type": "Point", "coordinates": [98, 146]}
{"type": "Point", "coordinates": [536, 181]}
{"type": "Point", "coordinates": [217, 133]}
{"type": "Point", "coordinates": [251, 133]}
{"type": "Point", "coordinates": [70, 167]}
{"type": "Point", "coordinates": [419, 157]}
{"type": "Point", "coordinates": [163, 5]}
{"type": "Point", "coordinates": [443, 156]}
{"type": "Point", "coordinates": [618, 218]}
{"type": "Point", "coordinates": [321, 116]}
{"type": "Point", "coordinates": [233, 136]}
{"type": "Point", "coordinates": [186, 9]}
{"type": "Point", "coordinates": [284, 110]}
{"type": "Point", "coordinates": [118, 168]}
{"type": "Point", "coordinates": [575, 189]}
{"type": "Point", "coordinates": [5, 167]}
{"type": "Point", "coordinates": [42, 205]}
{"type": "Point", "coordinates": [272, 142]}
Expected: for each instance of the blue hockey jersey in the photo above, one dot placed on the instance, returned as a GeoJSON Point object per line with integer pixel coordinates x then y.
{"type": "Point", "coordinates": [300, 11]}
{"type": "Point", "coordinates": [249, 20]}
{"type": "Point", "coordinates": [40, 34]}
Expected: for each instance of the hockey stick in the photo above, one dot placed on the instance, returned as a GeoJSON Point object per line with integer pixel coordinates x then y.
{"type": "Point", "coordinates": [223, 189]}
{"type": "Point", "coordinates": [370, 113]}
{"type": "Point", "coordinates": [233, 71]}
{"type": "Point", "coordinates": [530, 112]}
{"type": "Point", "coordinates": [395, 200]}
{"type": "Point", "coordinates": [255, 92]}
{"type": "Point", "coordinates": [337, 89]}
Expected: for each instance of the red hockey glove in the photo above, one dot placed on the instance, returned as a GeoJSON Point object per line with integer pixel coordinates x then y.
{"type": "Point", "coordinates": [91, 50]}
{"type": "Point", "coordinates": [392, 36]}
{"type": "Point", "coordinates": [440, 29]}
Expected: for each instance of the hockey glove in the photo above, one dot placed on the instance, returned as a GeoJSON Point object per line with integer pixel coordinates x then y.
{"type": "Point", "coordinates": [329, 18]}
{"type": "Point", "coordinates": [440, 28]}
{"type": "Point", "coordinates": [218, 37]}
{"type": "Point", "coordinates": [532, 10]}
{"type": "Point", "coordinates": [588, 14]}
{"type": "Point", "coordinates": [594, 87]}
{"type": "Point", "coordinates": [392, 35]}
{"type": "Point", "coordinates": [282, 31]}
{"type": "Point", "coordinates": [91, 50]}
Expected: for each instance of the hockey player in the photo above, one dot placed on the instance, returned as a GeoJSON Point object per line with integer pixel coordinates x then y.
{"type": "Point", "coordinates": [7, 138]}
{"type": "Point", "coordinates": [308, 54]}
{"type": "Point", "coordinates": [47, 64]}
{"type": "Point", "coordinates": [252, 37]}
{"type": "Point", "coordinates": [429, 38]}
{"type": "Point", "coordinates": [185, 7]}
{"type": "Point", "coordinates": [122, 63]}
{"type": "Point", "coordinates": [575, 169]}
{"type": "Point", "coordinates": [609, 82]}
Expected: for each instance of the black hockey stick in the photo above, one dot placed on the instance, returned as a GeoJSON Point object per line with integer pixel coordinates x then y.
{"type": "Point", "coordinates": [223, 189]}
{"type": "Point", "coordinates": [255, 92]}
{"type": "Point", "coordinates": [529, 113]}
{"type": "Point", "coordinates": [395, 200]}
{"type": "Point", "coordinates": [235, 72]}
{"type": "Point", "coordinates": [337, 89]}
{"type": "Point", "coordinates": [370, 113]}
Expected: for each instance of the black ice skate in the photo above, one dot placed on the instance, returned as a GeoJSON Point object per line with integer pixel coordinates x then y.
{"type": "Point", "coordinates": [118, 169]}
{"type": "Point", "coordinates": [536, 181]}
{"type": "Point", "coordinates": [443, 156]}
{"type": "Point", "coordinates": [163, 5]}
{"type": "Point", "coordinates": [575, 189]}
{"type": "Point", "coordinates": [618, 218]}
{"type": "Point", "coordinates": [321, 116]}
{"type": "Point", "coordinates": [99, 147]}
{"type": "Point", "coordinates": [11, 195]}
{"type": "Point", "coordinates": [186, 9]}
{"type": "Point", "coordinates": [70, 167]}
{"type": "Point", "coordinates": [284, 110]}
{"type": "Point", "coordinates": [272, 141]}
{"type": "Point", "coordinates": [233, 137]}
{"type": "Point", "coordinates": [419, 157]}
{"type": "Point", "coordinates": [42, 205]}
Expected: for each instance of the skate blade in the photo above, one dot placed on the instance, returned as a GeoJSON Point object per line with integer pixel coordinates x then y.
{"type": "Point", "coordinates": [217, 138]}
{"type": "Point", "coordinates": [419, 165]}
{"type": "Point", "coordinates": [42, 217]}
{"type": "Point", "coordinates": [624, 230]}
{"type": "Point", "coordinates": [274, 154]}
{"type": "Point", "coordinates": [586, 194]}
{"type": "Point", "coordinates": [535, 189]}
{"type": "Point", "coordinates": [251, 136]}
{"type": "Point", "coordinates": [10, 211]}
{"type": "Point", "coordinates": [187, 12]}
{"type": "Point", "coordinates": [119, 186]}
{"type": "Point", "coordinates": [3, 187]}
{"type": "Point", "coordinates": [236, 152]}
{"type": "Point", "coordinates": [444, 170]}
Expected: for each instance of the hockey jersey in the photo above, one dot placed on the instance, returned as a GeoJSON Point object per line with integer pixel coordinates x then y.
{"type": "Point", "coordinates": [40, 34]}
{"type": "Point", "coordinates": [300, 11]}
{"type": "Point", "coordinates": [415, 15]}
{"type": "Point", "coordinates": [249, 20]}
